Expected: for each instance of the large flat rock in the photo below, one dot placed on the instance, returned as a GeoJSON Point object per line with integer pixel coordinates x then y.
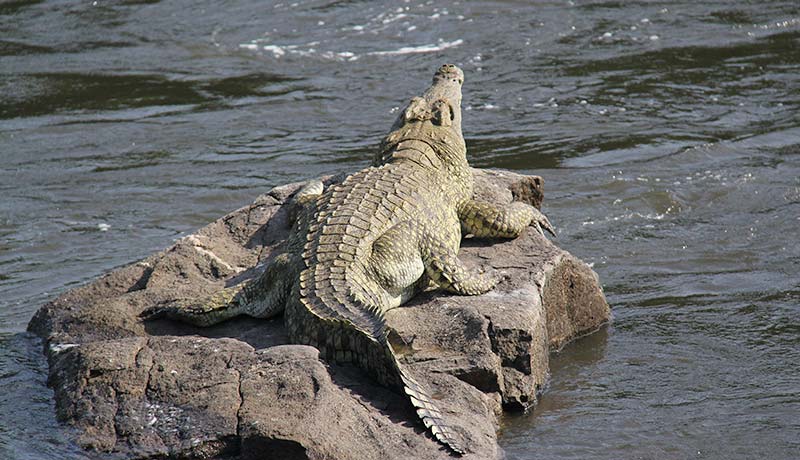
{"type": "Point", "coordinates": [238, 390]}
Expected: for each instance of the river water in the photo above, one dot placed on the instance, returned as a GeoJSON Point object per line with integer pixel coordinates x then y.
{"type": "Point", "coordinates": [668, 134]}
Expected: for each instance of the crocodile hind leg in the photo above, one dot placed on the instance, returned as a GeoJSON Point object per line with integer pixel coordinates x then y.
{"type": "Point", "coordinates": [263, 297]}
{"type": "Point", "coordinates": [396, 264]}
{"type": "Point", "coordinates": [404, 254]}
{"type": "Point", "coordinates": [446, 270]}
{"type": "Point", "coordinates": [485, 220]}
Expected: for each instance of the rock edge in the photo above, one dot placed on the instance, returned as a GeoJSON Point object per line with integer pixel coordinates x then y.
{"type": "Point", "coordinates": [239, 391]}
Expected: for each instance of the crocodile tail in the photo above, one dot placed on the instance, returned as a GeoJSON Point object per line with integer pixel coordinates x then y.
{"type": "Point", "coordinates": [359, 317]}
{"type": "Point", "coordinates": [427, 411]}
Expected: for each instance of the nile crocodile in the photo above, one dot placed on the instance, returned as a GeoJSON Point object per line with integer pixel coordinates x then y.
{"type": "Point", "coordinates": [372, 242]}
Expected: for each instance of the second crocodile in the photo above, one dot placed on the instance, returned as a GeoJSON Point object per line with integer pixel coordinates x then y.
{"type": "Point", "coordinates": [373, 241]}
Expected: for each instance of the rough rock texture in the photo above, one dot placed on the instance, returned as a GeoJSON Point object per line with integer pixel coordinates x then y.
{"type": "Point", "coordinates": [168, 390]}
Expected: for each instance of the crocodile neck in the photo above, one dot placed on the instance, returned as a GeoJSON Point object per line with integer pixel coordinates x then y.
{"type": "Point", "coordinates": [442, 162]}
{"type": "Point", "coordinates": [427, 134]}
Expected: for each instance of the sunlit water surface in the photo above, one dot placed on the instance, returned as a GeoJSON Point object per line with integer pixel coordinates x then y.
{"type": "Point", "coordinates": [667, 132]}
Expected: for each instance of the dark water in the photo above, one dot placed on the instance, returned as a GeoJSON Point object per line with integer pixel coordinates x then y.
{"type": "Point", "coordinates": [668, 134]}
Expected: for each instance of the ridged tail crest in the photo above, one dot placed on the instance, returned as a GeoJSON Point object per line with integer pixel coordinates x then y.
{"type": "Point", "coordinates": [373, 352]}
{"type": "Point", "coordinates": [427, 411]}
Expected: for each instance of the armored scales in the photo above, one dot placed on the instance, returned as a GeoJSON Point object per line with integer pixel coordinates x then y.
{"type": "Point", "coordinates": [372, 242]}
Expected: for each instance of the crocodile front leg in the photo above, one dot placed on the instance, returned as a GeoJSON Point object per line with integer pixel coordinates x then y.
{"type": "Point", "coordinates": [485, 220]}
{"type": "Point", "coordinates": [445, 269]}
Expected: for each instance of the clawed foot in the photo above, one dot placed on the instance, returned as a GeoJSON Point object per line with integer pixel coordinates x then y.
{"type": "Point", "coordinates": [173, 310]}
{"type": "Point", "coordinates": [205, 312]}
{"type": "Point", "coordinates": [498, 276]}
{"type": "Point", "coordinates": [492, 276]}
{"type": "Point", "coordinates": [541, 223]}
{"type": "Point", "coordinates": [156, 312]}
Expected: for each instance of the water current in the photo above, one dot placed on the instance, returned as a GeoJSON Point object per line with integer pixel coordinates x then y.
{"type": "Point", "coordinates": [668, 134]}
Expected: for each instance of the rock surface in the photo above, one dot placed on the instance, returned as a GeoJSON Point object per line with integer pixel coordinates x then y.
{"type": "Point", "coordinates": [238, 390]}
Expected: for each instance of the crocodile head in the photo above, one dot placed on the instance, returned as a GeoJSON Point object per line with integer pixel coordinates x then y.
{"type": "Point", "coordinates": [428, 130]}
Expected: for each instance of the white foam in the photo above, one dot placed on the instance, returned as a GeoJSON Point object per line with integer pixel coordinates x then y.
{"type": "Point", "coordinates": [60, 347]}
{"type": "Point", "coordinates": [309, 50]}
{"type": "Point", "coordinates": [276, 50]}
{"type": "Point", "coordinates": [779, 24]}
{"type": "Point", "coordinates": [442, 45]}
{"type": "Point", "coordinates": [391, 19]}
{"type": "Point", "coordinates": [336, 56]}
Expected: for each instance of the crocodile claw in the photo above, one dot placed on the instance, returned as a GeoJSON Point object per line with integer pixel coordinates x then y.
{"type": "Point", "coordinates": [493, 276]}
{"type": "Point", "coordinates": [156, 312]}
{"type": "Point", "coordinates": [542, 223]}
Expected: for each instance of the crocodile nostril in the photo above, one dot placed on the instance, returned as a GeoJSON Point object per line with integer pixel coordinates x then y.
{"type": "Point", "coordinates": [449, 73]}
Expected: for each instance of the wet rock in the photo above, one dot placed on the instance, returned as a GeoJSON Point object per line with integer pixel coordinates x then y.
{"type": "Point", "coordinates": [238, 390]}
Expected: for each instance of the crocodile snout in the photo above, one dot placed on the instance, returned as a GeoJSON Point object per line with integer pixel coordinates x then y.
{"type": "Point", "coordinates": [449, 72]}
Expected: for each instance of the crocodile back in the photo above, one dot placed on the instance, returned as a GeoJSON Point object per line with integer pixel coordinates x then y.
{"type": "Point", "coordinates": [339, 301]}
{"type": "Point", "coordinates": [334, 283]}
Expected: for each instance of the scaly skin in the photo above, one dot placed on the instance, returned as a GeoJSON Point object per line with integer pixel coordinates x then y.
{"type": "Point", "coordinates": [373, 241]}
